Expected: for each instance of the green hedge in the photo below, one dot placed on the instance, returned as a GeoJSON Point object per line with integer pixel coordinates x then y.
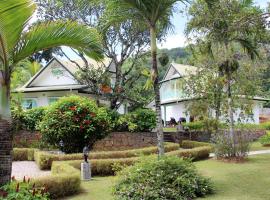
{"type": "Point", "coordinates": [188, 144]}
{"type": "Point", "coordinates": [103, 167]}
{"type": "Point", "coordinates": [64, 181]}
{"type": "Point", "coordinates": [195, 154]}
{"type": "Point", "coordinates": [45, 159]}
{"type": "Point", "coordinates": [22, 154]}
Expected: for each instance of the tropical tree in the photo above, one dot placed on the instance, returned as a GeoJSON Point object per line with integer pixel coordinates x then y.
{"type": "Point", "coordinates": [17, 42]}
{"type": "Point", "coordinates": [229, 29]}
{"type": "Point", "coordinates": [155, 15]}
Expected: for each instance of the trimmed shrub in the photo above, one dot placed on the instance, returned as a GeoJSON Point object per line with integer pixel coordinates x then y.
{"type": "Point", "coordinates": [198, 153]}
{"type": "Point", "coordinates": [45, 159]}
{"type": "Point", "coordinates": [22, 154]}
{"type": "Point", "coordinates": [64, 181]}
{"type": "Point", "coordinates": [265, 125]}
{"type": "Point", "coordinates": [103, 167]}
{"type": "Point", "coordinates": [188, 144]}
{"type": "Point", "coordinates": [167, 178]}
{"type": "Point", "coordinates": [265, 140]}
{"type": "Point", "coordinates": [75, 120]}
{"type": "Point", "coordinates": [140, 120]}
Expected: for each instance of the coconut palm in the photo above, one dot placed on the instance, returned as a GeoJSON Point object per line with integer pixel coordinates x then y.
{"type": "Point", "coordinates": [19, 41]}
{"type": "Point", "coordinates": [155, 15]}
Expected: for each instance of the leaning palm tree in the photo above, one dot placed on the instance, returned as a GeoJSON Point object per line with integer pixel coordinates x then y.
{"type": "Point", "coordinates": [17, 42]}
{"type": "Point", "coordinates": [155, 15]}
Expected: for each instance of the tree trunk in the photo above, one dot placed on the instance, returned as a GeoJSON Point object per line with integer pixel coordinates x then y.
{"type": "Point", "coordinates": [160, 136]}
{"type": "Point", "coordinates": [5, 133]}
{"type": "Point", "coordinates": [230, 112]}
{"type": "Point", "coordinates": [117, 85]}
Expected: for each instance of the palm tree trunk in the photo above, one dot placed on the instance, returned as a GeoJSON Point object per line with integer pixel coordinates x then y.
{"type": "Point", "coordinates": [160, 136]}
{"type": "Point", "coordinates": [5, 133]}
{"type": "Point", "coordinates": [230, 112]}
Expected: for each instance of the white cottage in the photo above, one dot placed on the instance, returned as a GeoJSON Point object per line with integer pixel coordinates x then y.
{"type": "Point", "coordinates": [57, 79]}
{"type": "Point", "coordinates": [174, 102]}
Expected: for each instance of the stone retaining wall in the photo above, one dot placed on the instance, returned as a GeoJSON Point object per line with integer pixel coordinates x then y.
{"type": "Point", "coordinates": [126, 140]}
{"type": "Point", "coordinates": [202, 136]}
{"type": "Point", "coordinates": [22, 138]}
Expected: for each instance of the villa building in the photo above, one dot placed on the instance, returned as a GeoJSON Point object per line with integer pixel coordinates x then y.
{"type": "Point", "coordinates": [174, 101]}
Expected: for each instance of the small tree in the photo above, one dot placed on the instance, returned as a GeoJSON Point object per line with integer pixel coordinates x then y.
{"type": "Point", "coordinates": [229, 29]}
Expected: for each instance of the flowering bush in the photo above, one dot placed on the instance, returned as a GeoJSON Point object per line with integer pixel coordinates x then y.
{"type": "Point", "coordinates": [23, 190]}
{"type": "Point", "coordinates": [167, 178]}
{"type": "Point", "coordinates": [76, 121]}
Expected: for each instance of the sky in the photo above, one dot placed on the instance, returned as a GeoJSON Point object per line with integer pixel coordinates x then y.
{"type": "Point", "coordinates": [177, 38]}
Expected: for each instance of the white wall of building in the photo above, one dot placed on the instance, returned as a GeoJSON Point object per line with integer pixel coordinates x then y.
{"type": "Point", "coordinates": [177, 110]}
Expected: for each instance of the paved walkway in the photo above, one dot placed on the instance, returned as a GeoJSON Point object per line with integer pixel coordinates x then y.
{"type": "Point", "coordinates": [251, 153]}
{"type": "Point", "coordinates": [28, 169]}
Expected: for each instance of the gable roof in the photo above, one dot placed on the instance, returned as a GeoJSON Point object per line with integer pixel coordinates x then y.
{"type": "Point", "coordinates": [69, 69]}
{"type": "Point", "coordinates": [176, 70]}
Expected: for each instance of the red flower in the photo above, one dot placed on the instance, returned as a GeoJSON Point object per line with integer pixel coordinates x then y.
{"type": "Point", "coordinates": [87, 122]}
{"type": "Point", "coordinates": [13, 178]}
{"type": "Point", "coordinates": [3, 193]}
{"type": "Point", "coordinates": [81, 127]}
{"type": "Point", "coordinates": [93, 114]}
{"type": "Point", "coordinates": [34, 192]}
{"type": "Point", "coordinates": [17, 187]}
{"type": "Point", "coordinates": [73, 108]}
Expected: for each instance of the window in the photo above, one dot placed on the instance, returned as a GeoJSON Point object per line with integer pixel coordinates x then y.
{"type": "Point", "coordinates": [53, 99]}
{"type": "Point", "coordinates": [29, 103]}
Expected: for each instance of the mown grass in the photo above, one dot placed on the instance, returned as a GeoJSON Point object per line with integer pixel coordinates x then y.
{"type": "Point", "coordinates": [244, 181]}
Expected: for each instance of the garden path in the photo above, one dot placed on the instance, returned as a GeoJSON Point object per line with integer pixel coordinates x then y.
{"type": "Point", "coordinates": [28, 169]}
{"type": "Point", "coordinates": [251, 153]}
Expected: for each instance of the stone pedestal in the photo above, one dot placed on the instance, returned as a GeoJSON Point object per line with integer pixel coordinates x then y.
{"type": "Point", "coordinates": [85, 171]}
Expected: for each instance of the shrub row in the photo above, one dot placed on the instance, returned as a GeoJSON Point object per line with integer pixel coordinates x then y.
{"type": "Point", "coordinates": [188, 144]}
{"type": "Point", "coordinates": [195, 154]}
{"type": "Point", "coordinates": [45, 159]}
{"type": "Point", "coordinates": [64, 181]}
{"type": "Point", "coordinates": [105, 167]}
{"type": "Point", "coordinates": [22, 154]}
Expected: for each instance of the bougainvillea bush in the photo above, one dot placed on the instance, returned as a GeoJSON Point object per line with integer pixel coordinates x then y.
{"type": "Point", "coordinates": [23, 190]}
{"type": "Point", "coordinates": [74, 122]}
{"type": "Point", "coordinates": [167, 178]}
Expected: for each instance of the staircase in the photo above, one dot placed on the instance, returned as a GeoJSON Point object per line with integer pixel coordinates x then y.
{"type": "Point", "coordinates": [168, 137]}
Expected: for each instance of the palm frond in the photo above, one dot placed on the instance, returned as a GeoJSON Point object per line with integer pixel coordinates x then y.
{"type": "Point", "coordinates": [248, 46]}
{"type": "Point", "coordinates": [53, 34]}
{"type": "Point", "coordinates": [14, 16]}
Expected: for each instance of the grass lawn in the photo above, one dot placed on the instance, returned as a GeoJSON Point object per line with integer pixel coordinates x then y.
{"type": "Point", "coordinates": [255, 146]}
{"type": "Point", "coordinates": [246, 181]}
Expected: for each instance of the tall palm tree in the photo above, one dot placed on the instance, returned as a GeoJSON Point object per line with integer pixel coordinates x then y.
{"type": "Point", "coordinates": [17, 42]}
{"type": "Point", "coordinates": [228, 28]}
{"type": "Point", "coordinates": [155, 15]}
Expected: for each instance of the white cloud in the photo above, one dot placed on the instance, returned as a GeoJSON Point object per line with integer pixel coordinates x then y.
{"type": "Point", "coordinates": [174, 41]}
